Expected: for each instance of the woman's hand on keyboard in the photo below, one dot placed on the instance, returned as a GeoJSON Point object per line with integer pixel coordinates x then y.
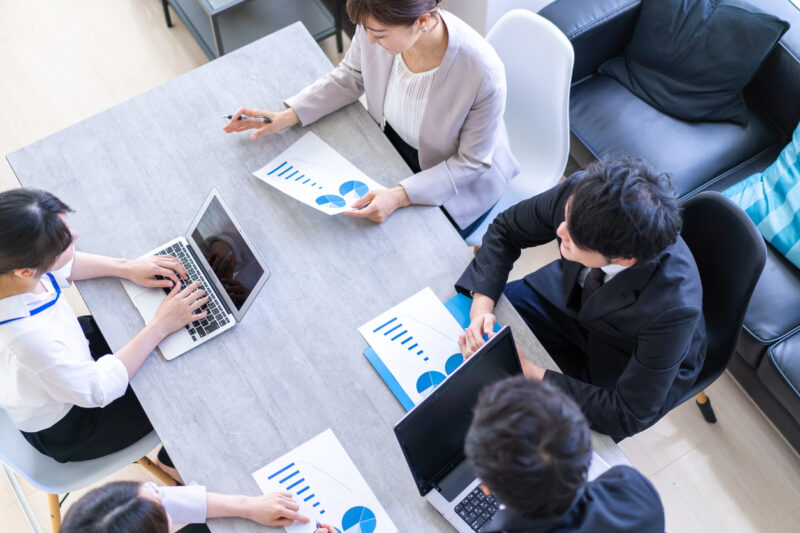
{"type": "Point", "coordinates": [144, 271]}
{"type": "Point", "coordinates": [180, 308]}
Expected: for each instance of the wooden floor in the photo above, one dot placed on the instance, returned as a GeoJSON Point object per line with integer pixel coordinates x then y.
{"type": "Point", "coordinates": [65, 60]}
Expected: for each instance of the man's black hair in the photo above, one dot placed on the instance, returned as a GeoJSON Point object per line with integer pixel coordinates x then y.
{"type": "Point", "coordinates": [529, 443]}
{"type": "Point", "coordinates": [32, 235]}
{"type": "Point", "coordinates": [622, 208]}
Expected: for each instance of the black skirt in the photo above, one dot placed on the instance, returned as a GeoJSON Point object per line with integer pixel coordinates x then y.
{"type": "Point", "coordinates": [89, 433]}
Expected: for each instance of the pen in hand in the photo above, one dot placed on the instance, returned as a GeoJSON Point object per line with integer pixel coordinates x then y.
{"type": "Point", "coordinates": [259, 118]}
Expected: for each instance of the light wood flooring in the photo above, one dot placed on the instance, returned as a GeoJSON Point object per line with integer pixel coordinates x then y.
{"type": "Point", "coordinates": [62, 61]}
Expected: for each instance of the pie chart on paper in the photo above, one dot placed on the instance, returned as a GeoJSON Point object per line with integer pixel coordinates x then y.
{"type": "Point", "coordinates": [358, 187]}
{"type": "Point", "coordinates": [429, 380]}
{"type": "Point", "coordinates": [359, 520]}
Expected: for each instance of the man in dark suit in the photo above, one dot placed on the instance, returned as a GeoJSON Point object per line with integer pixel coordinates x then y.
{"type": "Point", "coordinates": [620, 312]}
{"type": "Point", "coordinates": [530, 445]}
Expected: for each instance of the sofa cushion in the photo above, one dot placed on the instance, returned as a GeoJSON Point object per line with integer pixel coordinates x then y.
{"type": "Point", "coordinates": [774, 309]}
{"type": "Point", "coordinates": [611, 122]}
{"type": "Point", "coordinates": [780, 372]}
{"type": "Point", "coordinates": [692, 58]}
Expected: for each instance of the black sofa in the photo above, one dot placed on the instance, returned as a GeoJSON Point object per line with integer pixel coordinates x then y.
{"type": "Point", "coordinates": [606, 120]}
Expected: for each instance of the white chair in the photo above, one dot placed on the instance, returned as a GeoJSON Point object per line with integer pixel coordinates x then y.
{"type": "Point", "coordinates": [56, 478]}
{"type": "Point", "coordinates": [538, 59]}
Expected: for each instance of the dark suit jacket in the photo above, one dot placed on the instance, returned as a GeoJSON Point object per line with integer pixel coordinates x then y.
{"type": "Point", "coordinates": [619, 501]}
{"type": "Point", "coordinates": [646, 338]}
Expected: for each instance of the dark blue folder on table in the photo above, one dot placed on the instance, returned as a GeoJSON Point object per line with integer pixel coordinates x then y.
{"type": "Point", "coordinates": [459, 306]}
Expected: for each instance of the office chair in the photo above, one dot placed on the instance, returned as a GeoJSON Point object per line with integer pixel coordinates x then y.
{"type": "Point", "coordinates": [538, 61]}
{"type": "Point", "coordinates": [54, 478]}
{"type": "Point", "coordinates": [730, 255]}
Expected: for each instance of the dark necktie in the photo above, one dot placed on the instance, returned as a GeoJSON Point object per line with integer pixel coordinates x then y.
{"type": "Point", "coordinates": [593, 281]}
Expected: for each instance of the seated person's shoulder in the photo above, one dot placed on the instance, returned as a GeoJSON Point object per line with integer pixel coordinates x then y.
{"type": "Point", "coordinates": [35, 349]}
{"type": "Point", "coordinates": [628, 499]}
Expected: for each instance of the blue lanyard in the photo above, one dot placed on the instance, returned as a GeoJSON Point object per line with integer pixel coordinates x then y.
{"type": "Point", "coordinates": [43, 306]}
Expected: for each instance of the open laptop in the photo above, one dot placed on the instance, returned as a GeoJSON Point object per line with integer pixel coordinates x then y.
{"type": "Point", "coordinates": [218, 253]}
{"type": "Point", "coordinates": [432, 435]}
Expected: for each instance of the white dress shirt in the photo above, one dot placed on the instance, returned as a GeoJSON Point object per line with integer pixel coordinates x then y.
{"type": "Point", "coordinates": [185, 505]}
{"type": "Point", "coordinates": [45, 363]}
{"type": "Point", "coordinates": [406, 100]}
{"type": "Point", "coordinates": [610, 270]}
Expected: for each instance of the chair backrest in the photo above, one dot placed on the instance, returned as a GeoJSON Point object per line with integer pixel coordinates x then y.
{"type": "Point", "coordinates": [47, 475]}
{"type": "Point", "coordinates": [538, 61]}
{"type": "Point", "coordinates": [730, 255]}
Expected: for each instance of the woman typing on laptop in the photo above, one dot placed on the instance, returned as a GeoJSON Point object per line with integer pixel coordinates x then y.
{"type": "Point", "coordinates": [70, 398]}
{"type": "Point", "coordinates": [436, 87]}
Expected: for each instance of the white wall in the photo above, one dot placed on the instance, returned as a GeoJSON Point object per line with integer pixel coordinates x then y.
{"type": "Point", "coordinates": [477, 12]}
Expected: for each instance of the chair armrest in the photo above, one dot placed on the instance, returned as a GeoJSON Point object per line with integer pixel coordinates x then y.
{"type": "Point", "coordinates": [597, 29]}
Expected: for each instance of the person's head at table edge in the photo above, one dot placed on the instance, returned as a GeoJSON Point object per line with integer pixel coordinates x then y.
{"type": "Point", "coordinates": [124, 506]}
{"type": "Point", "coordinates": [35, 237]}
{"type": "Point", "coordinates": [621, 212]}
{"type": "Point", "coordinates": [530, 445]}
{"type": "Point", "coordinates": [396, 25]}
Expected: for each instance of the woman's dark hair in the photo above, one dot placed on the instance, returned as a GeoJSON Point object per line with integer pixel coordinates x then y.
{"type": "Point", "coordinates": [115, 507]}
{"type": "Point", "coordinates": [530, 444]}
{"type": "Point", "coordinates": [390, 12]}
{"type": "Point", "coordinates": [32, 235]}
{"type": "Point", "coordinates": [622, 208]}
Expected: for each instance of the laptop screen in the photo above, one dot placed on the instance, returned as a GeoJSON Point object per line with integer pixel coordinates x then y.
{"type": "Point", "coordinates": [219, 240]}
{"type": "Point", "coordinates": [432, 434]}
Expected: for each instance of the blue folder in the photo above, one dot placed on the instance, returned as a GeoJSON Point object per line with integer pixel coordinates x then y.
{"type": "Point", "coordinates": [459, 306]}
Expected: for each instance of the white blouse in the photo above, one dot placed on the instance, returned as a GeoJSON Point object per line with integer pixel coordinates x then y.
{"type": "Point", "coordinates": [184, 504]}
{"type": "Point", "coordinates": [406, 99]}
{"type": "Point", "coordinates": [45, 363]}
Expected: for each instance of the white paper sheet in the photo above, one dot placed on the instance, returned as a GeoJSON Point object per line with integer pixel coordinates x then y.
{"type": "Point", "coordinates": [328, 487]}
{"type": "Point", "coordinates": [417, 340]}
{"type": "Point", "coordinates": [317, 175]}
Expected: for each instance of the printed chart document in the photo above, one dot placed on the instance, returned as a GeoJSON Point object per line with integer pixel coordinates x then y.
{"type": "Point", "coordinates": [327, 486]}
{"type": "Point", "coordinates": [317, 175]}
{"type": "Point", "coordinates": [417, 342]}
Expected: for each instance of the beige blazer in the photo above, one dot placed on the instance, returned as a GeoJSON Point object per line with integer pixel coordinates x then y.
{"type": "Point", "coordinates": [464, 154]}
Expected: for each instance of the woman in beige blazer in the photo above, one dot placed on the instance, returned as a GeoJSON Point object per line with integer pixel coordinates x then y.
{"type": "Point", "coordinates": [438, 89]}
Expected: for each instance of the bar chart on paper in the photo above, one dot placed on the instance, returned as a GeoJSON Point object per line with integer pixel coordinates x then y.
{"type": "Point", "coordinates": [417, 341]}
{"type": "Point", "coordinates": [317, 175]}
{"type": "Point", "coordinates": [327, 486]}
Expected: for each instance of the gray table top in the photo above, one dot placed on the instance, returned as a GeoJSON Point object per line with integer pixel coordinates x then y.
{"type": "Point", "coordinates": [136, 174]}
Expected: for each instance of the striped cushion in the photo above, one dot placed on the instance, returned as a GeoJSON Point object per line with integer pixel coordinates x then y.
{"type": "Point", "coordinates": [772, 200]}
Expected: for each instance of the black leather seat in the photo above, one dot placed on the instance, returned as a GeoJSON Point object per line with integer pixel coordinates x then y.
{"type": "Point", "coordinates": [730, 256]}
{"type": "Point", "coordinates": [611, 121]}
{"type": "Point", "coordinates": [780, 370]}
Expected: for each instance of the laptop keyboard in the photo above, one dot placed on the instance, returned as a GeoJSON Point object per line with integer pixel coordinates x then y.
{"type": "Point", "coordinates": [217, 316]}
{"type": "Point", "coordinates": [477, 508]}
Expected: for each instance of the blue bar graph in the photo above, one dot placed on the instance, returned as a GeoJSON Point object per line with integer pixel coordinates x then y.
{"type": "Point", "coordinates": [289, 476]}
{"type": "Point", "coordinates": [282, 470]}
{"type": "Point", "coordinates": [274, 170]}
{"type": "Point", "coordinates": [400, 334]}
{"type": "Point", "coordinates": [405, 341]}
{"type": "Point", "coordinates": [292, 174]}
{"type": "Point", "coordinates": [295, 479]}
{"type": "Point", "coordinates": [412, 346]}
{"type": "Point", "coordinates": [394, 328]}
{"type": "Point", "coordinates": [383, 325]}
{"type": "Point", "coordinates": [285, 171]}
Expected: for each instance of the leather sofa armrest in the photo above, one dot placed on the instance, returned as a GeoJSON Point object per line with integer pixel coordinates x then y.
{"type": "Point", "coordinates": [597, 29]}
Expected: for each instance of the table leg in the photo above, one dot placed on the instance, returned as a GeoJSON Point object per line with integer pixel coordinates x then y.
{"type": "Point", "coordinates": [337, 7]}
{"type": "Point", "coordinates": [216, 34]}
{"type": "Point", "coordinates": [165, 3]}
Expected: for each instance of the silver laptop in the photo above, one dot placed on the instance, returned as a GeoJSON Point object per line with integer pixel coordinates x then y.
{"type": "Point", "coordinates": [432, 435]}
{"type": "Point", "coordinates": [218, 253]}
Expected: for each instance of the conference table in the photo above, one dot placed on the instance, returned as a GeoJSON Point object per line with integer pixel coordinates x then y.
{"type": "Point", "coordinates": [136, 175]}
